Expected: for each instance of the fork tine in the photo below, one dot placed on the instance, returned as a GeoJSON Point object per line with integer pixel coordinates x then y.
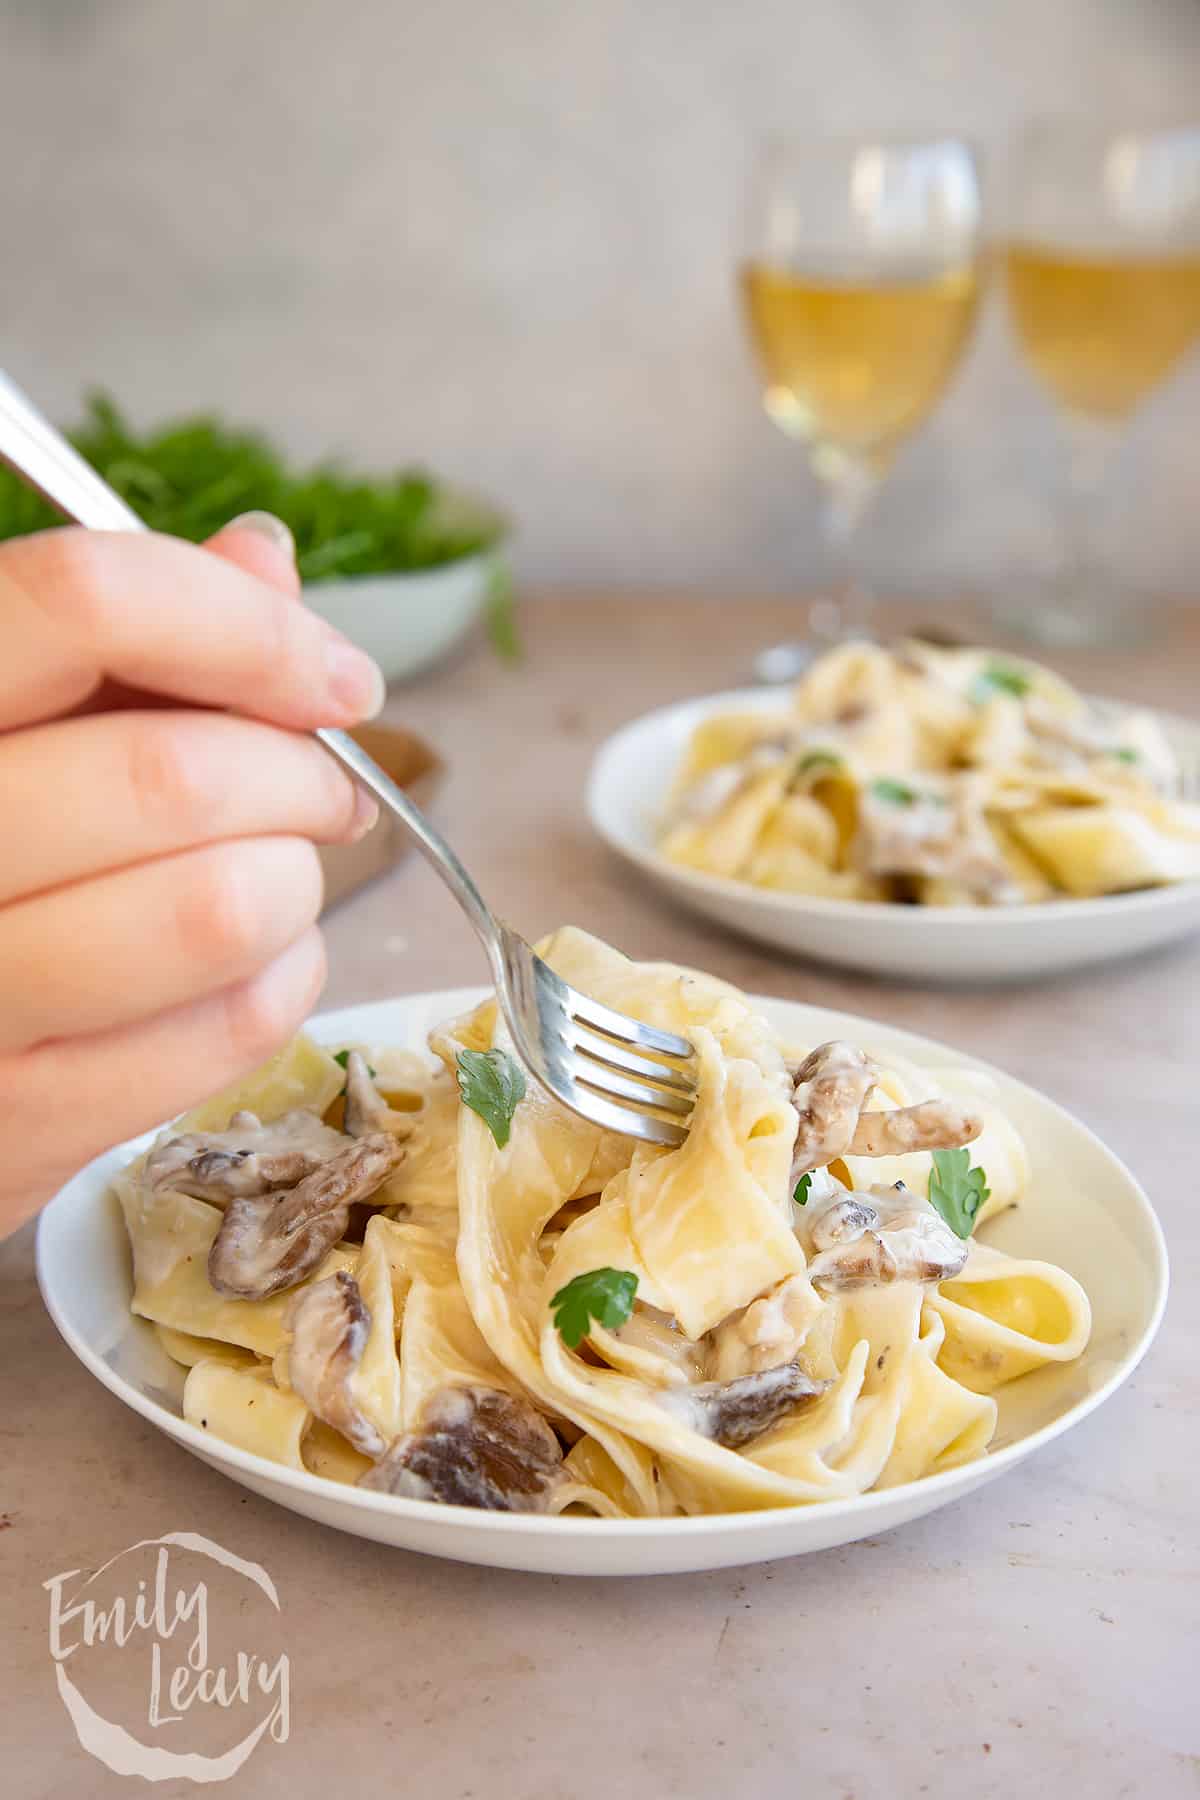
{"type": "Point", "coordinates": [613, 1086]}
{"type": "Point", "coordinates": [613, 1116]}
{"type": "Point", "coordinates": [600, 1063]}
{"type": "Point", "coordinates": [625, 1030]}
{"type": "Point", "coordinates": [604, 1050]}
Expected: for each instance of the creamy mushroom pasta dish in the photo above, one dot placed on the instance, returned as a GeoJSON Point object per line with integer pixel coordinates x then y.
{"type": "Point", "coordinates": [428, 1278]}
{"type": "Point", "coordinates": [944, 777]}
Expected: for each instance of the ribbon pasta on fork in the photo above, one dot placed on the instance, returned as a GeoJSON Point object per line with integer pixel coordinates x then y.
{"type": "Point", "coordinates": [364, 1278]}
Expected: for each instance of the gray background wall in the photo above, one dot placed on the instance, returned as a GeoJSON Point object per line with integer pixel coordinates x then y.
{"type": "Point", "coordinates": [497, 235]}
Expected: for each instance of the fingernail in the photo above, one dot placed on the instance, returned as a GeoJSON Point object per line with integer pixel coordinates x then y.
{"type": "Point", "coordinates": [268, 526]}
{"type": "Point", "coordinates": [366, 812]}
{"type": "Point", "coordinates": [355, 682]}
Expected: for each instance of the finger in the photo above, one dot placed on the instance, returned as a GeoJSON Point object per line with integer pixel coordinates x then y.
{"type": "Point", "coordinates": [258, 543]}
{"type": "Point", "coordinates": [139, 785]}
{"type": "Point", "coordinates": [65, 1102]}
{"type": "Point", "coordinates": [262, 546]}
{"type": "Point", "coordinates": [151, 937]}
{"type": "Point", "coordinates": [80, 607]}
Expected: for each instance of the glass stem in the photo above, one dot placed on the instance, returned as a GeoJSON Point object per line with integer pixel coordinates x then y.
{"type": "Point", "coordinates": [1089, 447]}
{"type": "Point", "coordinates": [849, 490]}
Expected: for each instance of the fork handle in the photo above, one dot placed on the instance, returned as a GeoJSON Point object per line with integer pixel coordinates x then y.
{"type": "Point", "coordinates": [40, 455]}
{"type": "Point", "coordinates": [428, 839]}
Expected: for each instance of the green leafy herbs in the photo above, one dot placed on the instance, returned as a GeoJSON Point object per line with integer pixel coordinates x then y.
{"type": "Point", "coordinates": [191, 477]}
{"type": "Point", "coordinates": [493, 1086]}
{"type": "Point", "coordinates": [800, 1192]}
{"type": "Point", "coordinates": [1000, 678]}
{"type": "Point", "coordinates": [893, 793]}
{"type": "Point", "coordinates": [1125, 754]}
{"type": "Point", "coordinates": [605, 1295]}
{"type": "Point", "coordinates": [499, 611]}
{"type": "Point", "coordinates": [817, 759]}
{"type": "Point", "coordinates": [957, 1190]}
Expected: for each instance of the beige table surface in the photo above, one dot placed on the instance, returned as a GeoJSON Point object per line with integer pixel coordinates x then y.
{"type": "Point", "coordinates": [1040, 1637]}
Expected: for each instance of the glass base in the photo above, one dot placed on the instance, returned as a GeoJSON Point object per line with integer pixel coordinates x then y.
{"type": "Point", "coordinates": [781, 664]}
{"type": "Point", "coordinates": [1076, 617]}
{"type": "Point", "coordinates": [831, 621]}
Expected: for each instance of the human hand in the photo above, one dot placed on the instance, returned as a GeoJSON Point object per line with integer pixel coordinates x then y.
{"type": "Point", "coordinates": [159, 805]}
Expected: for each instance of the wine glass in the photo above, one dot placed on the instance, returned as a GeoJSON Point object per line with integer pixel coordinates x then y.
{"type": "Point", "coordinates": [1103, 274]}
{"type": "Point", "coordinates": [859, 287]}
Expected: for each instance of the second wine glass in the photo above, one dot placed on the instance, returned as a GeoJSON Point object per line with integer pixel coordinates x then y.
{"type": "Point", "coordinates": [1103, 269]}
{"type": "Point", "coordinates": [860, 286]}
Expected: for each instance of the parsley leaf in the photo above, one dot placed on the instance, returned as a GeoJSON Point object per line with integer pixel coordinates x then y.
{"type": "Point", "coordinates": [815, 759]}
{"type": "Point", "coordinates": [1124, 754]}
{"type": "Point", "coordinates": [605, 1295]}
{"type": "Point", "coordinates": [801, 1194]}
{"type": "Point", "coordinates": [1000, 678]}
{"type": "Point", "coordinates": [492, 1085]}
{"type": "Point", "coordinates": [895, 793]}
{"type": "Point", "coordinates": [957, 1190]}
{"type": "Point", "coordinates": [342, 1058]}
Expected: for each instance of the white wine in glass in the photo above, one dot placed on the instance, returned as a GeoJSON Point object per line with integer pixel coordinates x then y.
{"type": "Point", "coordinates": [1103, 270]}
{"type": "Point", "coordinates": [1103, 331]}
{"type": "Point", "coordinates": [860, 288]}
{"type": "Point", "coordinates": [853, 364]}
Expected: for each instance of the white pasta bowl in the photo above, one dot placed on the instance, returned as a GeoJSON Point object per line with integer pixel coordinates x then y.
{"type": "Point", "coordinates": [627, 791]}
{"type": "Point", "coordinates": [1084, 1211]}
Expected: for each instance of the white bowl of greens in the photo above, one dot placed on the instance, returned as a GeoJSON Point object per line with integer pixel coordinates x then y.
{"type": "Point", "coordinates": [402, 563]}
{"type": "Point", "coordinates": [410, 620]}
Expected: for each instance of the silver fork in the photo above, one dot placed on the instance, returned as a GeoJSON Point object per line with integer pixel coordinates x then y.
{"type": "Point", "coordinates": [613, 1070]}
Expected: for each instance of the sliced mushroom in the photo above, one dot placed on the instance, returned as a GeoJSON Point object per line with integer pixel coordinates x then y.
{"type": "Point", "coordinates": [831, 1086]}
{"type": "Point", "coordinates": [936, 835]}
{"type": "Point", "coordinates": [890, 1234]}
{"type": "Point", "coordinates": [733, 1412]}
{"type": "Point", "coordinates": [768, 1332]}
{"type": "Point", "coordinates": [246, 1160]}
{"type": "Point", "coordinates": [271, 1242]}
{"type": "Point", "coordinates": [842, 1222]}
{"type": "Point", "coordinates": [931, 1125]}
{"type": "Point", "coordinates": [366, 1109]}
{"type": "Point", "coordinates": [329, 1323]}
{"type": "Point", "coordinates": [475, 1447]}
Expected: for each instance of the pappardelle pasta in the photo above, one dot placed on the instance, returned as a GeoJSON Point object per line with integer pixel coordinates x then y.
{"type": "Point", "coordinates": [940, 777]}
{"type": "Point", "coordinates": [430, 1279]}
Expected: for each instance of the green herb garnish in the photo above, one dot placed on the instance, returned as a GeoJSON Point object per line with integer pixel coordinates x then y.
{"type": "Point", "coordinates": [957, 1190]}
{"type": "Point", "coordinates": [800, 1196]}
{"type": "Point", "coordinates": [499, 611]}
{"type": "Point", "coordinates": [895, 793]}
{"type": "Point", "coordinates": [342, 1059]}
{"type": "Point", "coordinates": [814, 759]}
{"type": "Point", "coordinates": [605, 1295]}
{"type": "Point", "coordinates": [1000, 678]}
{"type": "Point", "coordinates": [1125, 755]}
{"type": "Point", "coordinates": [189, 478]}
{"type": "Point", "coordinates": [493, 1086]}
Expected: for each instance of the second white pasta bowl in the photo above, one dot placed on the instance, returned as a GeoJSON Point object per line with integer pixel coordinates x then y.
{"type": "Point", "coordinates": [627, 792]}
